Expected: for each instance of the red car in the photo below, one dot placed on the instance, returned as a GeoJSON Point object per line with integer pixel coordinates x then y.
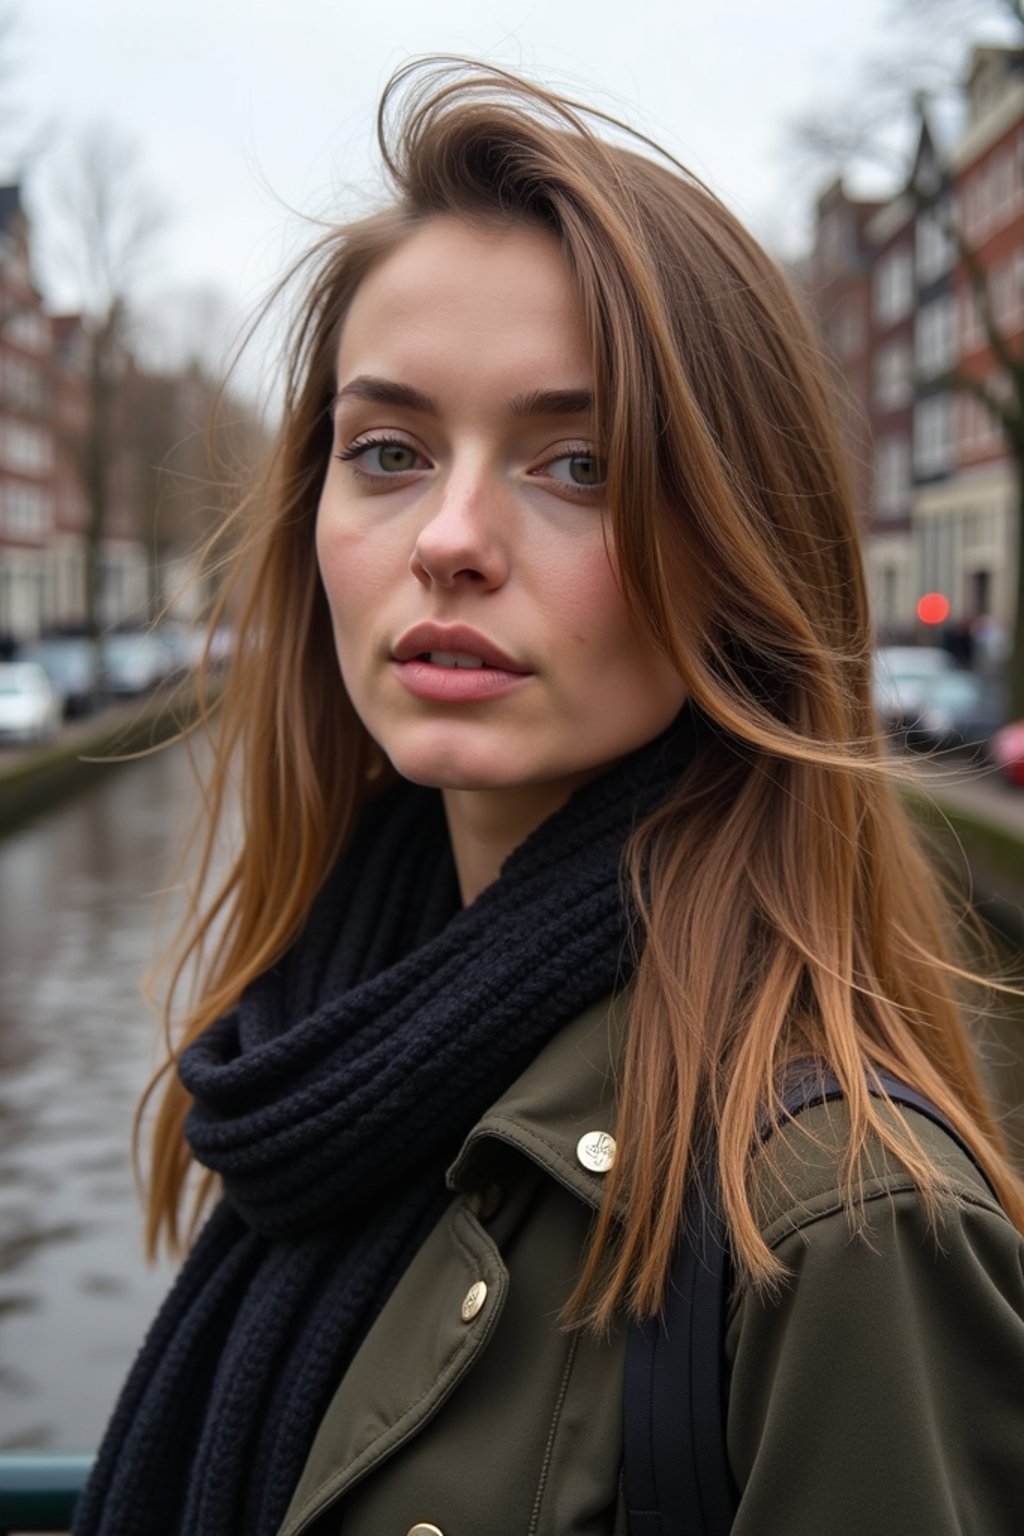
{"type": "Point", "coordinates": [1007, 749]}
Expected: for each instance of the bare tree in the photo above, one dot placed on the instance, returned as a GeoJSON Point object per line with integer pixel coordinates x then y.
{"type": "Point", "coordinates": [194, 437]}
{"type": "Point", "coordinates": [195, 446]}
{"type": "Point", "coordinates": [105, 222]}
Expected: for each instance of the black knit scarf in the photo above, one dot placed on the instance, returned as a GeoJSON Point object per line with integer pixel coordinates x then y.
{"type": "Point", "coordinates": [330, 1102]}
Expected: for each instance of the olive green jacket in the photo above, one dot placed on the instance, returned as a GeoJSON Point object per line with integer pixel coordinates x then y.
{"type": "Point", "coordinates": [881, 1392]}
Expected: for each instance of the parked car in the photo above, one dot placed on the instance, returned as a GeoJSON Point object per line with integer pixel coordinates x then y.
{"type": "Point", "coordinates": [1007, 752]}
{"type": "Point", "coordinates": [183, 644]}
{"type": "Point", "coordinates": [30, 709]}
{"type": "Point", "coordinates": [957, 709]}
{"type": "Point", "coordinates": [69, 663]}
{"type": "Point", "coordinates": [133, 662]}
{"type": "Point", "coordinates": [901, 673]}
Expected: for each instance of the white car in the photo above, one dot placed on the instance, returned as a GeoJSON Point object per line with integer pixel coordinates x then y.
{"type": "Point", "coordinates": [133, 662]}
{"type": "Point", "coordinates": [901, 677]}
{"type": "Point", "coordinates": [30, 707]}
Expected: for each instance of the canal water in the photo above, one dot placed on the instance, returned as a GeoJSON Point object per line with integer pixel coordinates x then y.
{"type": "Point", "coordinates": [80, 893]}
{"type": "Point", "coordinates": [79, 899]}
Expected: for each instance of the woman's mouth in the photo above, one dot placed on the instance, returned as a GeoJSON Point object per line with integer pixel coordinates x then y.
{"type": "Point", "coordinates": [456, 677]}
{"type": "Point", "coordinates": [451, 659]}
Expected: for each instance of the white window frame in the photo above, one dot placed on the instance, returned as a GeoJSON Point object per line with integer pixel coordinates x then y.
{"type": "Point", "coordinates": [934, 246]}
{"type": "Point", "coordinates": [894, 285]}
{"type": "Point", "coordinates": [892, 477]}
{"type": "Point", "coordinates": [933, 434]}
{"type": "Point", "coordinates": [894, 375]}
{"type": "Point", "coordinates": [935, 335]}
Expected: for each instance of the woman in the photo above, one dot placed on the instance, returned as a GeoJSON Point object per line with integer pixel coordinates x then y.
{"type": "Point", "coordinates": [568, 833]}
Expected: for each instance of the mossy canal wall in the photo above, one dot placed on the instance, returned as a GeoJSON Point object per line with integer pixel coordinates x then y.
{"type": "Point", "coordinates": [32, 781]}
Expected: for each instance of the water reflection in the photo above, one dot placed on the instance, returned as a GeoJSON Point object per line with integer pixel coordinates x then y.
{"type": "Point", "coordinates": [79, 895]}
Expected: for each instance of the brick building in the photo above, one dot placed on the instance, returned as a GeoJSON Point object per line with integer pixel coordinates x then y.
{"type": "Point", "coordinates": [978, 517]}
{"type": "Point", "coordinates": [839, 274]}
{"type": "Point", "coordinates": [28, 452]}
{"type": "Point", "coordinates": [43, 427]}
{"type": "Point", "coordinates": [937, 486]}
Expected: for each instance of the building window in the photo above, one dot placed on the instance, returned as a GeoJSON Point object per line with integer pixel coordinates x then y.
{"type": "Point", "coordinates": [892, 476]}
{"type": "Point", "coordinates": [29, 328]}
{"type": "Point", "coordinates": [894, 384]}
{"type": "Point", "coordinates": [1001, 183]}
{"type": "Point", "coordinates": [978, 431]}
{"type": "Point", "coordinates": [27, 510]}
{"type": "Point", "coordinates": [26, 449]}
{"type": "Point", "coordinates": [935, 248]}
{"type": "Point", "coordinates": [894, 286]}
{"type": "Point", "coordinates": [933, 435]}
{"type": "Point", "coordinates": [935, 336]}
{"type": "Point", "coordinates": [21, 382]}
{"type": "Point", "coordinates": [21, 590]}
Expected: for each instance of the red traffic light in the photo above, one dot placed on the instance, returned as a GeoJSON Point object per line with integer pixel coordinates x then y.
{"type": "Point", "coordinates": [933, 608]}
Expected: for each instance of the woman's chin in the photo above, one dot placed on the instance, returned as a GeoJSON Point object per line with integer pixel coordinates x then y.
{"type": "Point", "coordinates": [448, 769]}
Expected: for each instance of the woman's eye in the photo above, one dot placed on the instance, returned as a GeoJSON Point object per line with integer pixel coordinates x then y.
{"type": "Point", "coordinates": [382, 458]}
{"type": "Point", "coordinates": [584, 470]}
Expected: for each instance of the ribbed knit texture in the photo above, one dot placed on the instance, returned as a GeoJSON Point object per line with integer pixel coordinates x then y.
{"type": "Point", "coordinates": [330, 1102]}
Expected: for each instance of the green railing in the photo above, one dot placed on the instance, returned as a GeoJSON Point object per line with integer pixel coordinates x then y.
{"type": "Point", "coordinates": [39, 1493]}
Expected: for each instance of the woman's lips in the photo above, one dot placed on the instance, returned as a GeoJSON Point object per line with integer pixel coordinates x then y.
{"type": "Point", "coordinates": [425, 659]}
{"type": "Point", "coordinates": [456, 685]}
{"type": "Point", "coordinates": [430, 638]}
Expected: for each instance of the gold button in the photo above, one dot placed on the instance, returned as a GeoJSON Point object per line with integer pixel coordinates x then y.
{"type": "Point", "coordinates": [596, 1151]}
{"type": "Point", "coordinates": [474, 1300]}
{"type": "Point", "coordinates": [423, 1529]}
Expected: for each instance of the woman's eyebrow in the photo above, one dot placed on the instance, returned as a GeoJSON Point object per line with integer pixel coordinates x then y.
{"type": "Point", "coordinates": [553, 402]}
{"type": "Point", "coordinates": [537, 402]}
{"type": "Point", "coordinates": [385, 392]}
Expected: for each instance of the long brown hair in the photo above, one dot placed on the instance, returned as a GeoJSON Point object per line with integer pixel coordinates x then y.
{"type": "Point", "coordinates": [784, 905]}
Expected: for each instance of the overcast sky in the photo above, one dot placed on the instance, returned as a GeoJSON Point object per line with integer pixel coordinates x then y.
{"type": "Point", "coordinates": [247, 115]}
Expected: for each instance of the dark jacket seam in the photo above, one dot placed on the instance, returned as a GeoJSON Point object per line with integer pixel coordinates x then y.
{"type": "Point", "coordinates": [802, 1219]}
{"type": "Point", "coordinates": [545, 1465]}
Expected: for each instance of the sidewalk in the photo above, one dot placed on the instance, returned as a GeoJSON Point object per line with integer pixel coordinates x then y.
{"type": "Point", "coordinates": [984, 826]}
{"type": "Point", "coordinates": [977, 792]}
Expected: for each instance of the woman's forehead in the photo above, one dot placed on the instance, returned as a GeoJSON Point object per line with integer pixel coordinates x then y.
{"type": "Point", "coordinates": [455, 303]}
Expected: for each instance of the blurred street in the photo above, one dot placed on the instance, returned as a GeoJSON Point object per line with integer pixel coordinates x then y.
{"type": "Point", "coordinates": [977, 791]}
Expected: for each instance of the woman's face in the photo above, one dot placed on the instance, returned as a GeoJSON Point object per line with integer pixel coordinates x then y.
{"type": "Point", "coordinates": [462, 534]}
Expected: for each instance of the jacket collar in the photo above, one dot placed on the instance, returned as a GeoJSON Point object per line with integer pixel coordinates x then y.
{"type": "Point", "coordinates": [566, 1093]}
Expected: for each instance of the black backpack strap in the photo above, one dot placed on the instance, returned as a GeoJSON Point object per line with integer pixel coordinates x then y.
{"type": "Point", "coordinates": [677, 1479]}
{"type": "Point", "coordinates": [825, 1089]}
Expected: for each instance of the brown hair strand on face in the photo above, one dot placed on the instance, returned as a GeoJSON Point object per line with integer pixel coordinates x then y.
{"type": "Point", "coordinates": [785, 905]}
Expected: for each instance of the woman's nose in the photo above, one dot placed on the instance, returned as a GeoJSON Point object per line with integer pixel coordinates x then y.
{"type": "Point", "coordinates": [465, 539]}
